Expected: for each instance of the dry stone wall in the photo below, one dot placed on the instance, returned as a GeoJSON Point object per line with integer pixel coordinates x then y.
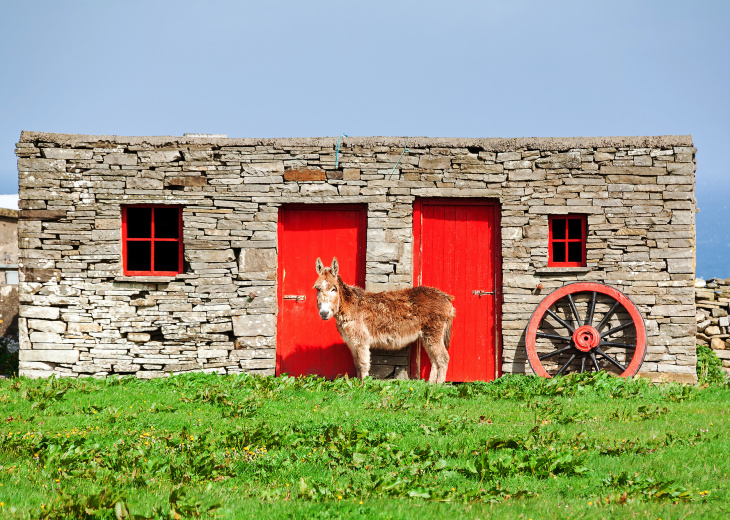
{"type": "Point", "coordinates": [713, 323]}
{"type": "Point", "coordinates": [81, 316]}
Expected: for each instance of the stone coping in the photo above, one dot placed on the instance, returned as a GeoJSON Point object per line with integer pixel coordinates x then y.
{"type": "Point", "coordinates": [493, 144]}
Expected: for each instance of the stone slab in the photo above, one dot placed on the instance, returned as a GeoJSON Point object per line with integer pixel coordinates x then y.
{"type": "Point", "coordinates": [50, 356]}
{"type": "Point", "coordinates": [305, 175]}
{"type": "Point", "coordinates": [254, 325]}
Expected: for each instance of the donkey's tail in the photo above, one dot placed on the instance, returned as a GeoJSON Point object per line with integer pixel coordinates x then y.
{"type": "Point", "coordinates": [447, 333]}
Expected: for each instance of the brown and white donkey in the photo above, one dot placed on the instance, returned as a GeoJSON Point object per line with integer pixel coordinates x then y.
{"type": "Point", "coordinates": [388, 320]}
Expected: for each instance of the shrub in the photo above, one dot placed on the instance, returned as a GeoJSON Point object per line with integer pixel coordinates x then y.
{"type": "Point", "coordinates": [9, 356]}
{"type": "Point", "coordinates": [709, 366]}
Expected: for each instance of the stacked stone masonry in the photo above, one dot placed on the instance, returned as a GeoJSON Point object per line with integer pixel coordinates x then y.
{"type": "Point", "coordinates": [713, 323]}
{"type": "Point", "coordinates": [81, 316]}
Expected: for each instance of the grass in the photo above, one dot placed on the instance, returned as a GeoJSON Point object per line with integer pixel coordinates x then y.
{"type": "Point", "coordinates": [585, 446]}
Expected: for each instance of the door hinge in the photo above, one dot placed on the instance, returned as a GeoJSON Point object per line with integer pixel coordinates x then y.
{"type": "Point", "coordinates": [297, 297]}
{"type": "Point", "coordinates": [481, 293]}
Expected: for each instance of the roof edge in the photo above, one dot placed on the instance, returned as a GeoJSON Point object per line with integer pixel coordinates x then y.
{"type": "Point", "coordinates": [486, 143]}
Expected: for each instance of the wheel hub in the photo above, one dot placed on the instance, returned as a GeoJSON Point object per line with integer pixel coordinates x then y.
{"type": "Point", "coordinates": [586, 338]}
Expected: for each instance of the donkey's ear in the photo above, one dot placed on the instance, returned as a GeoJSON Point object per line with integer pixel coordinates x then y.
{"type": "Point", "coordinates": [319, 265]}
{"type": "Point", "coordinates": [335, 267]}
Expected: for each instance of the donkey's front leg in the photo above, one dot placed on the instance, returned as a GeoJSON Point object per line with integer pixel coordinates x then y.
{"type": "Point", "coordinates": [363, 360]}
{"type": "Point", "coordinates": [355, 360]}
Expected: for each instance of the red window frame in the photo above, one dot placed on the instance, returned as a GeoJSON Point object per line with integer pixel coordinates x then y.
{"type": "Point", "coordinates": [152, 240]}
{"type": "Point", "coordinates": [564, 242]}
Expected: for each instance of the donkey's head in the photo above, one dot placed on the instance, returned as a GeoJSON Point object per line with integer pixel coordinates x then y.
{"type": "Point", "coordinates": [328, 290]}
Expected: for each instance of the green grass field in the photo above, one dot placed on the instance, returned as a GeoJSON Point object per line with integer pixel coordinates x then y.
{"type": "Point", "coordinates": [587, 446]}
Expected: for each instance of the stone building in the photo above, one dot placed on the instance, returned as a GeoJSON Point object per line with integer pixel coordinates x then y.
{"type": "Point", "coordinates": [8, 272]}
{"type": "Point", "coordinates": [158, 255]}
{"type": "Point", "coordinates": [8, 246]}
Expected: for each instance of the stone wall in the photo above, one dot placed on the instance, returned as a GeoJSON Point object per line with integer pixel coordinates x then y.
{"type": "Point", "coordinates": [713, 324]}
{"type": "Point", "coordinates": [79, 315]}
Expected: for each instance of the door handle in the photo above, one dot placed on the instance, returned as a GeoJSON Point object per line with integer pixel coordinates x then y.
{"type": "Point", "coordinates": [297, 297]}
{"type": "Point", "coordinates": [481, 293]}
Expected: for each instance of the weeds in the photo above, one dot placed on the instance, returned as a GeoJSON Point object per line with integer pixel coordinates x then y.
{"type": "Point", "coordinates": [106, 503]}
{"type": "Point", "coordinates": [642, 413]}
{"type": "Point", "coordinates": [650, 488]}
{"type": "Point", "coordinates": [94, 505]}
{"type": "Point", "coordinates": [42, 396]}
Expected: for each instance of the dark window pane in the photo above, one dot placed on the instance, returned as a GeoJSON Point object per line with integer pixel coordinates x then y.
{"type": "Point", "coordinates": [575, 252]}
{"type": "Point", "coordinates": [167, 222]}
{"type": "Point", "coordinates": [166, 256]}
{"type": "Point", "coordinates": [139, 256]}
{"type": "Point", "coordinates": [558, 251]}
{"type": "Point", "coordinates": [575, 228]}
{"type": "Point", "coordinates": [139, 222]}
{"type": "Point", "coordinates": [558, 228]}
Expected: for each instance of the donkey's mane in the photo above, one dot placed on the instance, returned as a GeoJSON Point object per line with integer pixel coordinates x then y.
{"type": "Point", "coordinates": [350, 290]}
{"type": "Point", "coordinates": [349, 294]}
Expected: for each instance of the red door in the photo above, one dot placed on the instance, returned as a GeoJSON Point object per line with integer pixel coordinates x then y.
{"type": "Point", "coordinates": [305, 343]}
{"type": "Point", "coordinates": [458, 250]}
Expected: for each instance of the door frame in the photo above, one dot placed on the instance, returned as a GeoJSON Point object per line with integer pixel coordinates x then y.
{"type": "Point", "coordinates": [362, 208]}
{"type": "Point", "coordinates": [496, 206]}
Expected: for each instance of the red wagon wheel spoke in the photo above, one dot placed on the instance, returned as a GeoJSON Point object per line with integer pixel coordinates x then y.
{"type": "Point", "coordinates": [617, 329]}
{"type": "Point", "coordinates": [610, 359]}
{"type": "Point", "coordinates": [608, 316]}
{"type": "Point", "coordinates": [554, 336]}
{"type": "Point", "coordinates": [617, 345]}
{"type": "Point", "coordinates": [595, 361]}
{"type": "Point", "coordinates": [574, 310]}
{"type": "Point", "coordinates": [555, 353]}
{"type": "Point", "coordinates": [572, 357]}
{"type": "Point", "coordinates": [574, 307]}
{"type": "Point", "coordinates": [561, 321]}
{"type": "Point", "coordinates": [591, 308]}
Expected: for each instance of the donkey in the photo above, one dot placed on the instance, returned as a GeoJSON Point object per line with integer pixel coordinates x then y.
{"type": "Point", "coordinates": [387, 320]}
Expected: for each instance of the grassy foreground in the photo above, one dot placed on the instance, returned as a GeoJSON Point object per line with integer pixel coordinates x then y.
{"type": "Point", "coordinates": [584, 446]}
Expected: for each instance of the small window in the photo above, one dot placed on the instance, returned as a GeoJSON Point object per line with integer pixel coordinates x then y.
{"type": "Point", "coordinates": [11, 277]}
{"type": "Point", "coordinates": [152, 240]}
{"type": "Point", "coordinates": [567, 242]}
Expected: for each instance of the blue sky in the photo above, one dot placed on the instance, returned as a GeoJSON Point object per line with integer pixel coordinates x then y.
{"type": "Point", "coordinates": [404, 68]}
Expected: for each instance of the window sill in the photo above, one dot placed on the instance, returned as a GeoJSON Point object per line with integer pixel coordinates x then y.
{"type": "Point", "coordinates": [562, 270]}
{"type": "Point", "coordinates": [147, 279]}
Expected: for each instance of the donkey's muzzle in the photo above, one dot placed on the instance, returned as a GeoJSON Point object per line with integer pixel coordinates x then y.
{"type": "Point", "coordinates": [325, 314]}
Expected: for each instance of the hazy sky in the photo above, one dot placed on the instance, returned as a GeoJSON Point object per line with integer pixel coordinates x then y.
{"type": "Point", "coordinates": [404, 68]}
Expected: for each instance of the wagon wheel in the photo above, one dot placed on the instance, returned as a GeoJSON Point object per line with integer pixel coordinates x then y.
{"type": "Point", "coordinates": [561, 336]}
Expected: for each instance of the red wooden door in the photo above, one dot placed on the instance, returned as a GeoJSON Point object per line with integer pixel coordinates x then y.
{"type": "Point", "coordinates": [457, 249]}
{"type": "Point", "coordinates": [305, 343]}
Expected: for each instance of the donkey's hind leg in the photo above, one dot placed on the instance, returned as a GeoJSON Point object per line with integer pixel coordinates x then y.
{"type": "Point", "coordinates": [439, 357]}
{"type": "Point", "coordinates": [442, 359]}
